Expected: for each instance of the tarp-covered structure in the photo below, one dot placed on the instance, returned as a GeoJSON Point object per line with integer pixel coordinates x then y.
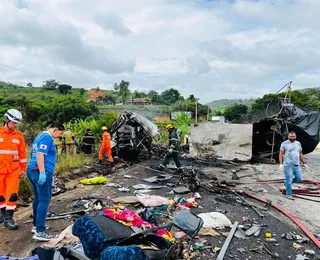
{"type": "Point", "coordinates": [268, 134]}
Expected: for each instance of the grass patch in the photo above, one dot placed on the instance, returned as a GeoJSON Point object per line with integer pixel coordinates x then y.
{"type": "Point", "coordinates": [67, 162]}
{"type": "Point", "coordinates": [25, 189]}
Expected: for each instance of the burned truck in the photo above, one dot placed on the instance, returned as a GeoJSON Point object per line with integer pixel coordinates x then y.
{"type": "Point", "coordinates": [268, 134]}
{"type": "Point", "coordinates": [132, 136]}
{"type": "Point", "coordinates": [261, 140]}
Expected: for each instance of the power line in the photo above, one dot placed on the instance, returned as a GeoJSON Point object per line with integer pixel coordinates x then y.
{"type": "Point", "coordinates": [17, 69]}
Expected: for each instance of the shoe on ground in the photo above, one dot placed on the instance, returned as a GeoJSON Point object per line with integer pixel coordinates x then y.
{"type": "Point", "coordinates": [34, 229]}
{"type": "Point", "coordinates": [10, 224]}
{"type": "Point", "coordinates": [290, 197]}
{"type": "Point", "coordinates": [42, 236]}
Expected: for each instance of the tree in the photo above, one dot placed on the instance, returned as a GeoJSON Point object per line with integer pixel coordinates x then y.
{"type": "Point", "coordinates": [138, 94]}
{"type": "Point", "coordinates": [67, 108]}
{"type": "Point", "coordinates": [170, 96]}
{"type": "Point", "coordinates": [50, 84]}
{"type": "Point", "coordinates": [82, 91]}
{"type": "Point", "coordinates": [64, 89]}
{"type": "Point", "coordinates": [234, 112]}
{"type": "Point", "coordinates": [109, 100]}
{"type": "Point", "coordinates": [154, 96]}
{"type": "Point", "coordinates": [123, 89]}
{"type": "Point", "coordinates": [29, 85]}
{"type": "Point", "coordinates": [23, 102]}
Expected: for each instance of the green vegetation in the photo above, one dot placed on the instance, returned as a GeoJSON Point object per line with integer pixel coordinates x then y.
{"type": "Point", "coordinates": [67, 162]}
{"type": "Point", "coordinates": [306, 98]}
{"type": "Point", "coordinates": [223, 103]}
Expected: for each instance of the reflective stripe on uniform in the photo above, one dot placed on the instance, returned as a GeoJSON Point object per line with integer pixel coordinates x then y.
{"type": "Point", "coordinates": [1, 139]}
{"type": "Point", "coordinates": [10, 207]}
{"type": "Point", "coordinates": [174, 139]}
{"type": "Point", "coordinates": [8, 151]}
{"type": "Point", "coordinates": [3, 205]}
{"type": "Point", "coordinates": [23, 160]}
{"type": "Point", "coordinates": [16, 141]}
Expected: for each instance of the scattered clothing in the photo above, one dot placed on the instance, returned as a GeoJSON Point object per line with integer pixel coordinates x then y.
{"type": "Point", "coordinates": [123, 253]}
{"type": "Point", "coordinates": [65, 238]}
{"type": "Point", "coordinates": [50, 254]}
{"type": "Point", "coordinates": [92, 239]}
{"type": "Point", "coordinates": [96, 180]}
{"type": "Point", "coordinates": [152, 200]}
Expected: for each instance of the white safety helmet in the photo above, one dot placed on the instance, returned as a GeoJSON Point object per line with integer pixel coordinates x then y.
{"type": "Point", "coordinates": [13, 115]}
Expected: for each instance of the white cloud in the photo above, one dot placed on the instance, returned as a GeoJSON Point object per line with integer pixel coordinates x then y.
{"type": "Point", "coordinates": [212, 49]}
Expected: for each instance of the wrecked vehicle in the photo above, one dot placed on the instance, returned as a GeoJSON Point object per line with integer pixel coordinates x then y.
{"type": "Point", "coordinates": [132, 136]}
{"type": "Point", "coordinates": [260, 140]}
{"type": "Point", "coordinates": [268, 134]}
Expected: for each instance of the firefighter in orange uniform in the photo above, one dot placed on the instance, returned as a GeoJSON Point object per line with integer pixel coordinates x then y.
{"type": "Point", "coordinates": [13, 164]}
{"type": "Point", "coordinates": [106, 146]}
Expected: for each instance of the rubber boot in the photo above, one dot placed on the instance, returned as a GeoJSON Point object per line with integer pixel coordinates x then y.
{"type": "Point", "coordinates": [112, 166]}
{"type": "Point", "coordinates": [9, 221]}
{"type": "Point", "coordinates": [2, 215]}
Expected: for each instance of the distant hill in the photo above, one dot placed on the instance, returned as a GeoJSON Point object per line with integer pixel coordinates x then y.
{"type": "Point", "coordinates": [220, 103]}
{"type": "Point", "coordinates": [10, 93]}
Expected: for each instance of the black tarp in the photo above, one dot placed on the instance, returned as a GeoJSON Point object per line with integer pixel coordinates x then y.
{"type": "Point", "coordinates": [304, 122]}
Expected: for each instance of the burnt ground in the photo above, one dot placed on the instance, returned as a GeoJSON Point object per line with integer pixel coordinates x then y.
{"type": "Point", "coordinates": [20, 243]}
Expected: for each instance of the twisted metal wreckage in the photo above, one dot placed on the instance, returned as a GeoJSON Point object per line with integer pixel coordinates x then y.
{"type": "Point", "coordinates": [132, 136]}
{"type": "Point", "coordinates": [268, 134]}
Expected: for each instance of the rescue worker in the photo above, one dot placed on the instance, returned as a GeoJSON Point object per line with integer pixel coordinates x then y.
{"type": "Point", "coordinates": [106, 147]}
{"type": "Point", "coordinates": [173, 149]}
{"type": "Point", "coordinates": [13, 164]}
{"type": "Point", "coordinates": [88, 140]}
{"type": "Point", "coordinates": [68, 140]}
{"type": "Point", "coordinates": [40, 172]}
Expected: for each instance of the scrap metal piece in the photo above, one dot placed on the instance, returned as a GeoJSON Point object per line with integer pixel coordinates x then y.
{"type": "Point", "coordinates": [227, 241]}
{"type": "Point", "coordinates": [268, 250]}
{"type": "Point", "coordinates": [253, 230]}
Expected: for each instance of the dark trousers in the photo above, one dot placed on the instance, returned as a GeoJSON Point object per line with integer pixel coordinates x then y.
{"type": "Point", "coordinates": [87, 148]}
{"type": "Point", "coordinates": [172, 156]}
{"type": "Point", "coordinates": [42, 196]}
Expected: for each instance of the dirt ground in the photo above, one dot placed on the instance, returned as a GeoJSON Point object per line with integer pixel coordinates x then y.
{"type": "Point", "coordinates": [20, 243]}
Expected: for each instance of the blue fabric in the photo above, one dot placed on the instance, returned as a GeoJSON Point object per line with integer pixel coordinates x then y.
{"type": "Point", "coordinates": [44, 143]}
{"type": "Point", "coordinates": [19, 258]}
{"type": "Point", "coordinates": [291, 155]}
{"type": "Point", "coordinates": [42, 196]}
{"type": "Point", "coordinates": [293, 175]}
{"type": "Point", "coordinates": [92, 239]}
{"type": "Point", "coordinates": [123, 253]}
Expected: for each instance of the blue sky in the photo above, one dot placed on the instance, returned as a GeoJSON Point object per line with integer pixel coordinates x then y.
{"type": "Point", "coordinates": [212, 49]}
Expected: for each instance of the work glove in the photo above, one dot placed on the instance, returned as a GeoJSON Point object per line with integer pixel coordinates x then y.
{"type": "Point", "coordinates": [42, 178]}
{"type": "Point", "coordinates": [170, 150]}
{"type": "Point", "coordinates": [281, 167]}
{"type": "Point", "coordinates": [305, 166]}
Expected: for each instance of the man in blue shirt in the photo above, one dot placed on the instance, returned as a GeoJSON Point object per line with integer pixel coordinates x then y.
{"type": "Point", "coordinates": [40, 172]}
{"type": "Point", "coordinates": [290, 158]}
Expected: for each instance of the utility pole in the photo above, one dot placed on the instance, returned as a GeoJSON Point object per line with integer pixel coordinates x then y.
{"type": "Point", "coordinates": [197, 110]}
{"type": "Point", "coordinates": [208, 115]}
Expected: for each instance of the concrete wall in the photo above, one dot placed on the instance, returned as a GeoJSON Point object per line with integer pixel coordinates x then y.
{"type": "Point", "coordinates": [227, 141]}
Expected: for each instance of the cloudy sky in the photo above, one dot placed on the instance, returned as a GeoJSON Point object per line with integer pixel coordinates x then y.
{"type": "Point", "coordinates": [210, 48]}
